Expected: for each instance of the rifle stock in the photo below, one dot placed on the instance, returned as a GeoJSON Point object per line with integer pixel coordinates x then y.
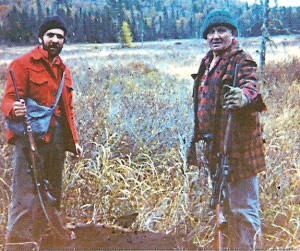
{"type": "Point", "coordinates": [192, 151]}
{"type": "Point", "coordinates": [192, 154]}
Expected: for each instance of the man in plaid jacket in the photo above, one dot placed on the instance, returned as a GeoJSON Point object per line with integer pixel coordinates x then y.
{"type": "Point", "coordinates": [215, 97]}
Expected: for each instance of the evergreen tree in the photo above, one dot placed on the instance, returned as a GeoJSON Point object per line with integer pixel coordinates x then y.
{"type": "Point", "coordinates": [28, 22]}
{"type": "Point", "coordinates": [173, 23]}
{"type": "Point", "coordinates": [70, 24]}
{"type": "Point", "coordinates": [40, 12]}
{"type": "Point", "coordinates": [191, 28]}
{"type": "Point", "coordinates": [160, 33]}
{"type": "Point", "coordinates": [165, 24]}
{"type": "Point", "coordinates": [141, 25]}
{"type": "Point", "coordinates": [152, 30]}
{"type": "Point", "coordinates": [134, 26]}
{"type": "Point", "coordinates": [108, 30]}
{"type": "Point", "coordinates": [14, 27]}
{"type": "Point", "coordinates": [78, 30]}
{"type": "Point", "coordinates": [126, 35]}
{"type": "Point", "coordinates": [117, 13]}
{"type": "Point", "coordinates": [93, 36]}
{"type": "Point", "coordinates": [86, 27]}
{"type": "Point", "coordinates": [97, 26]}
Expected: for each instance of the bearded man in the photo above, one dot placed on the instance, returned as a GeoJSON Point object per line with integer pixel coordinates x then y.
{"type": "Point", "coordinates": [39, 76]}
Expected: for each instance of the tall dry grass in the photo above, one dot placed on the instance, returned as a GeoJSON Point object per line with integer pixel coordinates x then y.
{"type": "Point", "coordinates": [134, 113]}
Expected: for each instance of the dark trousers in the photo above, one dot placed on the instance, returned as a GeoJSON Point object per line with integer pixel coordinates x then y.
{"type": "Point", "coordinates": [26, 221]}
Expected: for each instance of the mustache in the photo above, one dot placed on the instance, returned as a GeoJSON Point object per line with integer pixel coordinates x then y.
{"type": "Point", "coordinates": [53, 46]}
{"type": "Point", "coordinates": [53, 49]}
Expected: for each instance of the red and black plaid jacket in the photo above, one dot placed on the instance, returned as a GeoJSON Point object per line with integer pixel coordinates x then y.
{"type": "Point", "coordinates": [246, 147]}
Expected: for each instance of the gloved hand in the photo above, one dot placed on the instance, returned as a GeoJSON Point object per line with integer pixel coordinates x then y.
{"type": "Point", "coordinates": [234, 97]}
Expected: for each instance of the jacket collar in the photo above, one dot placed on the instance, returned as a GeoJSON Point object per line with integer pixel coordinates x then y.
{"type": "Point", "coordinates": [232, 49]}
{"type": "Point", "coordinates": [38, 53]}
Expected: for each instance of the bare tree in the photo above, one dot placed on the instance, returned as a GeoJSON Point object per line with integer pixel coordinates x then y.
{"type": "Point", "coordinates": [265, 33]}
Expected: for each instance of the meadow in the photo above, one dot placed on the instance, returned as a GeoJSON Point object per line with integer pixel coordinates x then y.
{"type": "Point", "coordinates": [134, 116]}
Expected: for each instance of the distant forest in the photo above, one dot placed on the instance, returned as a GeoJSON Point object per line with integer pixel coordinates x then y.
{"type": "Point", "coordinates": [92, 21]}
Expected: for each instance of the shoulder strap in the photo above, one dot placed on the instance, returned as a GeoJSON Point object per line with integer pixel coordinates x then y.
{"type": "Point", "coordinates": [59, 90]}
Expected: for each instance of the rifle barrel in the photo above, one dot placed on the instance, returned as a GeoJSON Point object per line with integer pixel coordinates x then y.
{"type": "Point", "coordinates": [14, 83]}
{"type": "Point", "coordinates": [230, 115]}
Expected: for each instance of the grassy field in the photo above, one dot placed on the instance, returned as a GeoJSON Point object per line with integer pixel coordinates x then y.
{"type": "Point", "coordinates": [135, 120]}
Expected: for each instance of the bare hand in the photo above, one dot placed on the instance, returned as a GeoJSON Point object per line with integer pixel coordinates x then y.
{"type": "Point", "coordinates": [79, 150]}
{"type": "Point", "coordinates": [19, 108]}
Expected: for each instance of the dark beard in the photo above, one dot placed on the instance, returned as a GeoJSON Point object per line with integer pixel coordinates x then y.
{"type": "Point", "coordinates": [52, 54]}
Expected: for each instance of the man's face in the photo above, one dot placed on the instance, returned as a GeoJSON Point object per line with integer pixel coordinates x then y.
{"type": "Point", "coordinates": [219, 38]}
{"type": "Point", "coordinates": [53, 41]}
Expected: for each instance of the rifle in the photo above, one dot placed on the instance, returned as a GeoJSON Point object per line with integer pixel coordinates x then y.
{"type": "Point", "coordinates": [45, 198]}
{"type": "Point", "coordinates": [192, 151]}
{"type": "Point", "coordinates": [219, 178]}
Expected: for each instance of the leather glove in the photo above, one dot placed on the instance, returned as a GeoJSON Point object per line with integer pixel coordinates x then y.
{"type": "Point", "coordinates": [234, 97]}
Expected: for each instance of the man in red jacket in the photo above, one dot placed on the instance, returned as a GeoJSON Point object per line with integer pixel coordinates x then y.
{"type": "Point", "coordinates": [38, 75]}
{"type": "Point", "coordinates": [214, 97]}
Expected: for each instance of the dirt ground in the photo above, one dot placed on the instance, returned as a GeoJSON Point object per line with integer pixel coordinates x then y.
{"type": "Point", "coordinates": [96, 237]}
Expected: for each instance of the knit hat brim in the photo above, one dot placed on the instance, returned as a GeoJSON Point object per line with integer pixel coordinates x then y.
{"type": "Point", "coordinates": [233, 28]}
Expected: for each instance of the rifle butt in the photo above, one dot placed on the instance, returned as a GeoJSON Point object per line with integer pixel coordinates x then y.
{"type": "Point", "coordinates": [220, 222]}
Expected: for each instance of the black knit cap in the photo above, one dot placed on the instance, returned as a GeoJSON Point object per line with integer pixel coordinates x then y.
{"type": "Point", "coordinates": [53, 22]}
{"type": "Point", "coordinates": [218, 17]}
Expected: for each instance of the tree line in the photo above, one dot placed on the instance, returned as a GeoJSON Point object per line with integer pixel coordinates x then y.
{"type": "Point", "coordinates": [147, 20]}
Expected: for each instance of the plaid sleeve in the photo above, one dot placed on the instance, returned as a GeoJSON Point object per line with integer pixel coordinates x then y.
{"type": "Point", "coordinates": [247, 77]}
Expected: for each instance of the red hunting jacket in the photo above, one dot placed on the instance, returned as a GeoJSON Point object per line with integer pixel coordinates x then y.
{"type": "Point", "coordinates": [37, 80]}
{"type": "Point", "coordinates": [246, 146]}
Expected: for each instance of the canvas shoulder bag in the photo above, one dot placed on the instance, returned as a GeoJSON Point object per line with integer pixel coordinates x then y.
{"type": "Point", "coordinates": [38, 116]}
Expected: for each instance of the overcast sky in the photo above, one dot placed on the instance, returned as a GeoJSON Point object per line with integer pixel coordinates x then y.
{"type": "Point", "coordinates": [280, 2]}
